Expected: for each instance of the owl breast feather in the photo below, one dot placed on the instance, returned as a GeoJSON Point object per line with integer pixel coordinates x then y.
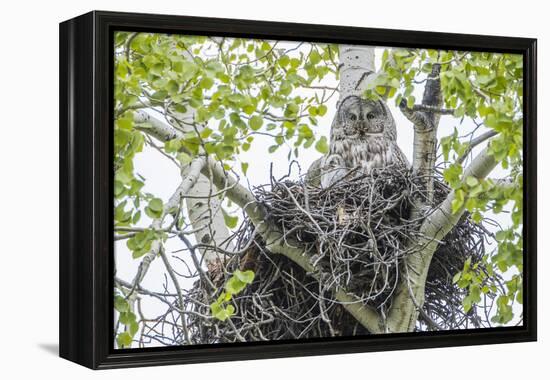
{"type": "Point", "coordinates": [367, 154]}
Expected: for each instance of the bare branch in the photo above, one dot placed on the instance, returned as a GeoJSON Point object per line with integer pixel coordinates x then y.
{"type": "Point", "coordinates": [475, 142]}
{"type": "Point", "coordinates": [432, 109]}
{"type": "Point", "coordinates": [178, 291]}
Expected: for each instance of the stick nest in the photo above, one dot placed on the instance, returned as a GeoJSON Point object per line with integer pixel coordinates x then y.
{"type": "Point", "coordinates": [358, 232]}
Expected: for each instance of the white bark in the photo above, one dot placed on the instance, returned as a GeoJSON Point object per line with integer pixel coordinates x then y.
{"type": "Point", "coordinates": [187, 183]}
{"type": "Point", "coordinates": [204, 211]}
{"type": "Point", "coordinates": [356, 69]}
{"type": "Point", "coordinates": [425, 118]}
{"type": "Point", "coordinates": [207, 220]}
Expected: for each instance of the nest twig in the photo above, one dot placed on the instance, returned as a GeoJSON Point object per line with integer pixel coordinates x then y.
{"type": "Point", "coordinates": [357, 231]}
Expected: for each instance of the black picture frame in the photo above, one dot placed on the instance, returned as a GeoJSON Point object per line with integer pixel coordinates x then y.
{"type": "Point", "coordinates": [86, 188]}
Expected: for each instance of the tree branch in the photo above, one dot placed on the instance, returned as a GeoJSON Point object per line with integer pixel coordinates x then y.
{"type": "Point", "coordinates": [204, 210]}
{"type": "Point", "coordinates": [404, 313]}
{"type": "Point", "coordinates": [187, 182]}
{"type": "Point", "coordinates": [432, 109]}
{"type": "Point", "coordinates": [175, 281]}
{"type": "Point", "coordinates": [440, 222]}
{"type": "Point", "coordinates": [475, 142]}
{"type": "Point", "coordinates": [276, 243]}
{"type": "Point", "coordinates": [425, 119]}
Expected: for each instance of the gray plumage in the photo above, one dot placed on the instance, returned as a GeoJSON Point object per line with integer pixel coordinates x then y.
{"type": "Point", "coordinates": [363, 137]}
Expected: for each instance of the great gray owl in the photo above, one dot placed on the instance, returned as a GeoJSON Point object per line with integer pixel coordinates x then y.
{"type": "Point", "coordinates": [363, 137]}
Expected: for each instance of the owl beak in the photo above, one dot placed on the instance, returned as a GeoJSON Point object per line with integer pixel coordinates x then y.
{"type": "Point", "coordinates": [371, 130]}
{"type": "Point", "coordinates": [365, 129]}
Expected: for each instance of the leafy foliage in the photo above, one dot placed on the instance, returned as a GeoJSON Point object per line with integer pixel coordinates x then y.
{"type": "Point", "coordinates": [229, 90]}
{"type": "Point", "coordinates": [243, 88]}
{"type": "Point", "coordinates": [488, 89]}
{"type": "Point", "coordinates": [221, 309]}
{"type": "Point", "coordinates": [127, 318]}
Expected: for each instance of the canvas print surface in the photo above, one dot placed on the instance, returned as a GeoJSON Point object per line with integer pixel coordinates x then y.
{"type": "Point", "coordinates": [285, 190]}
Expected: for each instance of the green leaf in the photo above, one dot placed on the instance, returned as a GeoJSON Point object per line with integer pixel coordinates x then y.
{"type": "Point", "coordinates": [477, 217]}
{"type": "Point", "coordinates": [133, 328]}
{"type": "Point", "coordinates": [206, 83]}
{"type": "Point", "coordinates": [227, 297]}
{"type": "Point", "coordinates": [244, 167]}
{"type": "Point", "coordinates": [118, 188]}
{"type": "Point", "coordinates": [467, 304]}
{"type": "Point", "coordinates": [255, 122]}
{"type": "Point", "coordinates": [295, 63]}
{"type": "Point", "coordinates": [458, 202]}
{"type": "Point", "coordinates": [154, 209]}
{"type": "Point", "coordinates": [155, 204]}
{"type": "Point", "coordinates": [501, 235]}
{"type": "Point", "coordinates": [471, 181]}
{"type": "Point", "coordinates": [476, 190]}
{"type": "Point", "coordinates": [247, 276]}
{"type": "Point", "coordinates": [249, 109]}
{"type": "Point", "coordinates": [234, 285]}
{"type": "Point", "coordinates": [221, 313]}
{"type": "Point", "coordinates": [230, 221]}
{"type": "Point", "coordinates": [206, 132]}
{"type": "Point", "coordinates": [141, 243]}
{"type": "Point", "coordinates": [322, 145]}
{"type": "Point", "coordinates": [475, 293]}
{"type": "Point", "coordinates": [184, 158]}
{"type": "Point", "coordinates": [380, 90]}
{"type": "Point", "coordinates": [284, 60]}
{"type": "Point", "coordinates": [127, 318]}
{"type": "Point", "coordinates": [123, 176]}
{"type": "Point", "coordinates": [315, 57]}
{"type": "Point", "coordinates": [452, 175]}
{"type": "Point", "coordinates": [410, 101]}
{"type": "Point", "coordinates": [312, 111]}
{"type": "Point", "coordinates": [124, 339]}
{"type": "Point", "coordinates": [125, 123]}
{"type": "Point", "coordinates": [457, 277]}
{"type": "Point", "coordinates": [467, 264]}
{"type": "Point", "coordinates": [230, 309]}
{"type": "Point", "coordinates": [121, 305]}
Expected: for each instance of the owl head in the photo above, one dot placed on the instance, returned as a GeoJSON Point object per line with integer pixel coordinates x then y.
{"type": "Point", "coordinates": [363, 119]}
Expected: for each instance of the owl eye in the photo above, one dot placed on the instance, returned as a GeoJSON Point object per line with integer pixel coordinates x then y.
{"type": "Point", "coordinates": [370, 116]}
{"type": "Point", "coordinates": [352, 116]}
